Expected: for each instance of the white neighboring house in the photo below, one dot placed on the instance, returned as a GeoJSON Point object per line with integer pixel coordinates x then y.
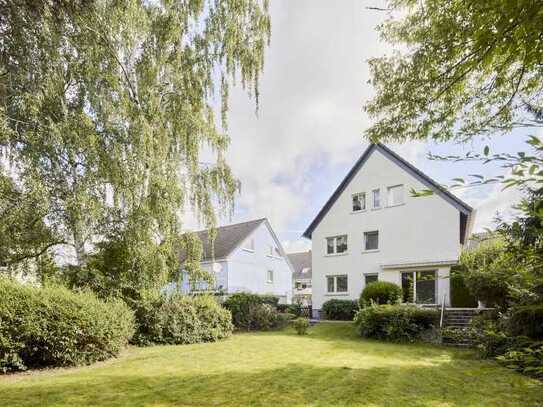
{"type": "Point", "coordinates": [373, 229]}
{"type": "Point", "coordinates": [302, 290]}
{"type": "Point", "coordinates": [245, 257]}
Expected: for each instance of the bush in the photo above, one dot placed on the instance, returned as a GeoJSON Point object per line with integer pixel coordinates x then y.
{"type": "Point", "coordinates": [380, 292]}
{"type": "Point", "coordinates": [272, 300]}
{"type": "Point", "coordinates": [262, 317]}
{"type": "Point", "coordinates": [48, 327]}
{"type": "Point", "coordinates": [340, 310]}
{"type": "Point", "coordinates": [240, 305]}
{"type": "Point", "coordinates": [180, 319]}
{"type": "Point", "coordinates": [527, 360]}
{"type": "Point", "coordinates": [396, 323]}
{"type": "Point", "coordinates": [295, 309]}
{"type": "Point", "coordinates": [527, 321]}
{"type": "Point", "coordinates": [301, 325]}
{"type": "Point", "coordinates": [461, 296]}
{"type": "Point", "coordinates": [283, 319]}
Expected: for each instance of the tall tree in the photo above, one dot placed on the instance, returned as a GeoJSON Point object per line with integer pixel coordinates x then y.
{"type": "Point", "coordinates": [106, 105]}
{"type": "Point", "coordinates": [462, 68]}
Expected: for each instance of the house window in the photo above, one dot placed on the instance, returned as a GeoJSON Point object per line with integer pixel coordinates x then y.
{"type": "Point", "coordinates": [337, 284]}
{"type": "Point", "coordinates": [359, 202]}
{"type": "Point", "coordinates": [395, 195]}
{"type": "Point", "coordinates": [336, 245]}
{"type": "Point", "coordinates": [376, 193]}
{"type": "Point", "coordinates": [370, 278]}
{"type": "Point", "coordinates": [250, 245]}
{"type": "Point", "coordinates": [269, 276]}
{"type": "Point", "coordinates": [419, 287]}
{"type": "Point", "coordinates": [371, 240]}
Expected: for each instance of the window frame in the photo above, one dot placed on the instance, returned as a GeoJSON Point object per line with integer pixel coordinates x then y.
{"type": "Point", "coordinates": [363, 206]}
{"type": "Point", "coordinates": [335, 245]}
{"type": "Point", "coordinates": [269, 273]}
{"type": "Point", "coordinates": [366, 275]}
{"type": "Point", "coordinates": [334, 278]}
{"type": "Point", "coordinates": [376, 192]}
{"type": "Point", "coordinates": [365, 248]}
{"type": "Point", "coordinates": [389, 195]}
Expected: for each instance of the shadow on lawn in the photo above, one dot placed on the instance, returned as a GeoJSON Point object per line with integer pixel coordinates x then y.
{"type": "Point", "coordinates": [290, 385]}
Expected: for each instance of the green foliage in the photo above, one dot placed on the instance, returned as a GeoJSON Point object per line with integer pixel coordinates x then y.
{"type": "Point", "coordinates": [272, 300]}
{"type": "Point", "coordinates": [263, 317]}
{"type": "Point", "coordinates": [488, 273]}
{"type": "Point", "coordinates": [464, 69]}
{"type": "Point", "coordinates": [527, 321]}
{"type": "Point", "coordinates": [105, 107]}
{"type": "Point", "coordinates": [396, 323]}
{"type": "Point", "coordinates": [380, 292]}
{"type": "Point", "coordinates": [283, 319]}
{"type": "Point", "coordinates": [295, 309]}
{"type": "Point", "coordinates": [340, 310]}
{"type": "Point", "coordinates": [527, 360]}
{"type": "Point", "coordinates": [460, 294]}
{"type": "Point", "coordinates": [46, 327]}
{"type": "Point", "coordinates": [179, 319]}
{"type": "Point", "coordinates": [301, 325]}
{"type": "Point", "coordinates": [254, 312]}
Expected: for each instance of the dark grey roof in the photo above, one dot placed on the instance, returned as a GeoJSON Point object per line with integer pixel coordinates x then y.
{"type": "Point", "coordinates": [227, 240]}
{"type": "Point", "coordinates": [301, 263]}
{"type": "Point", "coordinates": [387, 152]}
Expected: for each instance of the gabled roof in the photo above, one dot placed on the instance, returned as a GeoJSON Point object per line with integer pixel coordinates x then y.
{"type": "Point", "coordinates": [228, 239]}
{"type": "Point", "coordinates": [302, 264]}
{"type": "Point", "coordinates": [391, 155]}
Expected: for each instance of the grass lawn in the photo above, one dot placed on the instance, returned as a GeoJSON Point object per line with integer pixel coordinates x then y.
{"type": "Point", "coordinates": [329, 367]}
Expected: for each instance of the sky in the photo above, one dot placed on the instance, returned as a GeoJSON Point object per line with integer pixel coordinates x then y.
{"type": "Point", "coordinates": [309, 129]}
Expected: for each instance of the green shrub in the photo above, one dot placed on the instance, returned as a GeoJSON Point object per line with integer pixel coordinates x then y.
{"type": "Point", "coordinates": [295, 309]}
{"type": "Point", "coordinates": [263, 317]}
{"type": "Point", "coordinates": [46, 327]}
{"type": "Point", "coordinates": [272, 300]}
{"type": "Point", "coordinates": [340, 310]}
{"type": "Point", "coordinates": [301, 325]}
{"type": "Point", "coordinates": [527, 321]}
{"type": "Point", "coordinates": [180, 319]}
{"type": "Point", "coordinates": [283, 319]}
{"type": "Point", "coordinates": [240, 305]}
{"type": "Point", "coordinates": [380, 292]}
{"type": "Point", "coordinates": [527, 360]}
{"type": "Point", "coordinates": [396, 323]}
{"type": "Point", "coordinates": [461, 296]}
{"type": "Point", "coordinates": [489, 336]}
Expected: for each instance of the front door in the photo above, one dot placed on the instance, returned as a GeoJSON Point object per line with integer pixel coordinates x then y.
{"type": "Point", "coordinates": [419, 287]}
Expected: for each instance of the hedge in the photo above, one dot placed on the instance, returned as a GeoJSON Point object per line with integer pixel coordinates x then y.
{"type": "Point", "coordinates": [340, 310]}
{"type": "Point", "coordinates": [49, 327]}
{"type": "Point", "coordinates": [380, 292]}
{"type": "Point", "coordinates": [461, 297]}
{"type": "Point", "coordinates": [527, 321]}
{"type": "Point", "coordinates": [396, 323]}
{"type": "Point", "coordinates": [180, 319]}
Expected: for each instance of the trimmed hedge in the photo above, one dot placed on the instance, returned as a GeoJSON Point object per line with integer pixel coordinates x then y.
{"type": "Point", "coordinates": [254, 312]}
{"type": "Point", "coordinates": [527, 321]}
{"type": "Point", "coordinates": [49, 327]}
{"type": "Point", "coordinates": [180, 319]}
{"type": "Point", "coordinates": [396, 323]}
{"type": "Point", "coordinates": [340, 310]}
{"type": "Point", "coordinates": [380, 292]}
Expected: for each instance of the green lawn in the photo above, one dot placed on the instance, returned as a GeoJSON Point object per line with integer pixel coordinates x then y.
{"type": "Point", "coordinates": [329, 367]}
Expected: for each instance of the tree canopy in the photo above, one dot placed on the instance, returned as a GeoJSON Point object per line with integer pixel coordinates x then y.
{"type": "Point", "coordinates": [461, 68]}
{"type": "Point", "coordinates": [107, 105]}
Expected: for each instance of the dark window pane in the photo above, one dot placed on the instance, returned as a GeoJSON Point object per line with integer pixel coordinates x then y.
{"type": "Point", "coordinates": [372, 240]}
{"type": "Point", "coordinates": [341, 282]}
{"type": "Point", "coordinates": [371, 278]}
{"type": "Point", "coordinates": [341, 244]}
{"type": "Point", "coordinates": [330, 284]}
{"type": "Point", "coordinates": [330, 245]}
{"type": "Point", "coordinates": [426, 287]}
{"type": "Point", "coordinates": [407, 287]}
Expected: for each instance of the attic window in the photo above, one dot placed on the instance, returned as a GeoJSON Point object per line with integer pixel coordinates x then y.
{"type": "Point", "coordinates": [250, 245]}
{"type": "Point", "coordinates": [359, 202]}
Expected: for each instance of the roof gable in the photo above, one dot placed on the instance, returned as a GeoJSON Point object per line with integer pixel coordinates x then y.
{"type": "Point", "coordinates": [391, 155]}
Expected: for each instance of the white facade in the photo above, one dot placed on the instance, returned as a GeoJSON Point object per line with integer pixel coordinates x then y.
{"type": "Point", "coordinates": [258, 265]}
{"type": "Point", "coordinates": [413, 234]}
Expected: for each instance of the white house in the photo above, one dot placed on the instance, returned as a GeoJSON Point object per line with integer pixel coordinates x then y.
{"type": "Point", "coordinates": [372, 228]}
{"type": "Point", "coordinates": [245, 257]}
{"type": "Point", "coordinates": [302, 289]}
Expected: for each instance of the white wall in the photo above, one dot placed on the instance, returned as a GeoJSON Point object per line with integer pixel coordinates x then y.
{"type": "Point", "coordinates": [247, 271]}
{"type": "Point", "coordinates": [422, 229]}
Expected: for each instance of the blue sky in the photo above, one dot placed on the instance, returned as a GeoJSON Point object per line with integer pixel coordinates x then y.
{"type": "Point", "coordinates": [309, 129]}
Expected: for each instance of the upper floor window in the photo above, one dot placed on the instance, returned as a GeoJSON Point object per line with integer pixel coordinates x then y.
{"type": "Point", "coordinates": [395, 195]}
{"type": "Point", "coordinates": [336, 244]}
{"type": "Point", "coordinates": [250, 245]}
{"type": "Point", "coordinates": [359, 202]}
{"type": "Point", "coordinates": [337, 284]}
{"type": "Point", "coordinates": [371, 240]}
{"type": "Point", "coordinates": [376, 194]}
{"type": "Point", "coordinates": [269, 276]}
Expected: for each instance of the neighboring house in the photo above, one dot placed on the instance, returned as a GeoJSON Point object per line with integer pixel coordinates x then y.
{"type": "Point", "coordinates": [301, 278]}
{"type": "Point", "coordinates": [245, 257]}
{"type": "Point", "coordinates": [372, 228]}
